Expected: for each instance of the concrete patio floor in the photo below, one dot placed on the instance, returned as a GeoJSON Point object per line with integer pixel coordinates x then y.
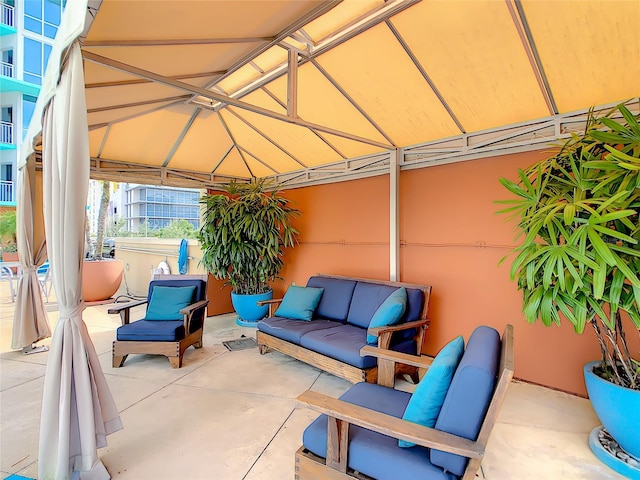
{"type": "Point", "coordinates": [232, 415]}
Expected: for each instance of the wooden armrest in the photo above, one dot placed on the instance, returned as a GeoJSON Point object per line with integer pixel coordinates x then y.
{"type": "Point", "coordinates": [119, 308]}
{"type": "Point", "coordinates": [390, 425]}
{"type": "Point", "coordinates": [268, 302]}
{"type": "Point", "coordinates": [399, 327]}
{"type": "Point", "coordinates": [273, 304]}
{"type": "Point", "coordinates": [125, 310]}
{"type": "Point", "coordinates": [189, 310]}
{"type": "Point", "coordinates": [194, 306]}
{"type": "Point", "coordinates": [397, 357]}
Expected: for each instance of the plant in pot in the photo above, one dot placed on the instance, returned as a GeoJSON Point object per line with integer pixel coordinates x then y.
{"type": "Point", "coordinates": [580, 257]}
{"type": "Point", "coordinates": [101, 274]}
{"type": "Point", "coordinates": [244, 232]}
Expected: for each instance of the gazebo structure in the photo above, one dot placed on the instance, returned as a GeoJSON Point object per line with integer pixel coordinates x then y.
{"type": "Point", "coordinates": [346, 104]}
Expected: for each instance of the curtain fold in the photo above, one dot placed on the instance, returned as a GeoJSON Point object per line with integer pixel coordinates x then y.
{"type": "Point", "coordinates": [30, 322]}
{"type": "Point", "coordinates": [78, 410]}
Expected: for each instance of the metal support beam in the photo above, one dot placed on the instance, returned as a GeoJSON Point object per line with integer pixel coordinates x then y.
{"type": "Point", "coordinates": [203, 92]}
{"type": "Point", "coordinates": [394, 214]}
{"type": "Point", "coordinates": [292, 85]}
{"type": "Point", "coordinates": [522, 26]}
{"type": "Point", "coordinates": [172, 42]}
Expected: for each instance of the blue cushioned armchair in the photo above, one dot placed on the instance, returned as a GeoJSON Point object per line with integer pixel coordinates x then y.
{"type": "Point", "coordinates": [173, 321]}
{"type": "Point", "coordinates": [357, 435]}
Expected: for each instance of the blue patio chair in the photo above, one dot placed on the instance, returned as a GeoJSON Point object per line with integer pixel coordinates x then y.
{"type": "Point", "coordinates": [173, 321]}
{"type": "Point", "coordinates": [439, 432]}
{"type": "Point", "coordinates": [44, 279]}
{"type": "Point", "coordinates": [6, 273]}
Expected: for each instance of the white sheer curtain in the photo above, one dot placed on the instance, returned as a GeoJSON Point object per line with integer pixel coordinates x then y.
{"type": "Point", "coordinates": [78, 410]}
{"type": "Point", "coordinates": [30, 322]}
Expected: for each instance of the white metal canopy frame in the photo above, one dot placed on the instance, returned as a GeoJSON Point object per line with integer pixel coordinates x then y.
{"type": "Point", "coordinates": [198, 93]}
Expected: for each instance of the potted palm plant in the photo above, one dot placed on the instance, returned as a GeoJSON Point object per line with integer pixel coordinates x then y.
{"type": "Point", "coordinates": [580, 257]}
{"type": "Point", "coordinates": [101, 275]}
{"type": "Point", "coordinates": [244, 232]}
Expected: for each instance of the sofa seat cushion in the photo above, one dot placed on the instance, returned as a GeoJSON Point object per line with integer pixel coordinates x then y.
{"type": "Point", "coordinates": [335, 301]}
{"type": "Point", "coordinates": [342, 343]}
{"type": "Point", "coordinates": [292, 330]}
{"type": "Point", "coordinates": [372, 453]}
{"type": "Point", "coordinates": [469, 394]}
{"type": "Point", "coordinates": [152, 330]}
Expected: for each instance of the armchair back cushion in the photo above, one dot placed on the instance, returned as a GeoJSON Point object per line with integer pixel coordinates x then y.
{"type": "Point", "coordinates": [165, 303]}
{"type": "Point", "coordinates": [469, 395]}
{"type": "Point", "coordinates": [200, 293]}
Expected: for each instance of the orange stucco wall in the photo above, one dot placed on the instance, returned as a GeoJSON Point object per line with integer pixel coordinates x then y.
{"type": "Point", "coordinates": [451, 239]}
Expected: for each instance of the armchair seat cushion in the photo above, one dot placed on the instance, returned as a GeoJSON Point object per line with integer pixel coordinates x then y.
{"type": "Point", "coordinates": [342, 343]}
{"type": "Point", "coordinates": [292, 330]}
{"type": "Point", "coordinates": [151, 330]}
{"type": "Point", "coordinates": [372, 453]}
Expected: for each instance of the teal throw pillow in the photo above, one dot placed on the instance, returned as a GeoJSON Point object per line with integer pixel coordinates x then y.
{"type": "Point", "coordinates": [428, 397]}
{"type": "Point", "coordinates": [166, 302]}
{"type": "Point", "coordinates": [389, 313]}
{"type": "Point", "coordinates": [299, 303]}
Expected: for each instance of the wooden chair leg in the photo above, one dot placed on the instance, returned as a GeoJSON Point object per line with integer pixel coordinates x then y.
{"type": "Point", "coordinates": [118, 360]}
{"type": "Point", "coordinates": [176, 362]}
{"type": "Point", "coordinates": [263, 349]}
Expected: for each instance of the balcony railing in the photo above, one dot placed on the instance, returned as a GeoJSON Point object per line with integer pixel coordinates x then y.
{"type": "Point", "coordinates": [7, 192]}
{"type": "Point", "coordinates": [6, 69]}
{"type": "Point", "coordinates": [6, 132]}
{"type": "Point", "coordinates": [6, 14]}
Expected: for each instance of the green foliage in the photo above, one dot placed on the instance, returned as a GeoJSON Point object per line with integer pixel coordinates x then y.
{"type": "Point", "coordinates": [8, 230]}
{"type": "Point", "coordinates": [244, 233]}
{"type": "Point", "coordinates": [119, 229]}
{"type": "Point", "coordinates": [577, 213]}
{"type": "Point", "coordinates": [180, 228]}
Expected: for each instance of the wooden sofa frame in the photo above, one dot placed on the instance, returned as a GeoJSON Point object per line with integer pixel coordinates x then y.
{"type": "Point", "coordinates": [341, 414]}
{"type": "Point", "coordinates": [336, 367]}
{"type": "Point", "coordinates": [173, 350]}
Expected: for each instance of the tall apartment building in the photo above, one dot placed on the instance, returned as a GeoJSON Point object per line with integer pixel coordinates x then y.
{"type": "Point", "coordinates": [150, 207]}
{"type": "Point", "coordinates": [27, 31]}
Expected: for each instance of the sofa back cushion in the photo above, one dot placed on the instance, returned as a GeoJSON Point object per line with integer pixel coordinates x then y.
{"type": "Point", "coordinates": [335, 301]}
{"type": "Point", "coordinates": [469, 395]}
{"type": "Point", "coordinates": [367, 297]}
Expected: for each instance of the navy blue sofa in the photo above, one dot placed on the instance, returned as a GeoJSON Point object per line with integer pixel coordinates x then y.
{"type": "Point", "coordinates": [366, 422]}
{"type": "Point", "coordinates": [338, 330]}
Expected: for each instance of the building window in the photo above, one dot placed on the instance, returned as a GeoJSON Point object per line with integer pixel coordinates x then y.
{"type": "Point", "coordinates": [7, 172]}
{"type": "Point", "coordinates": [6, 125]}
{"type": "Point", "coordinates": [7, 63]}
{"type": "Point", "coordinates": [28, 107]}
{"type": "Point", "coordinates": [42, 16]}
{"type": "Point", "coordinates": [36, 55]}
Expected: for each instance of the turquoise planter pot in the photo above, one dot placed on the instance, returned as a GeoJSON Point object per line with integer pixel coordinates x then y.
{"type": "Point", "coordinates": [249, 313]}
{"type": "Point", "coordinates": [618, 409]}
